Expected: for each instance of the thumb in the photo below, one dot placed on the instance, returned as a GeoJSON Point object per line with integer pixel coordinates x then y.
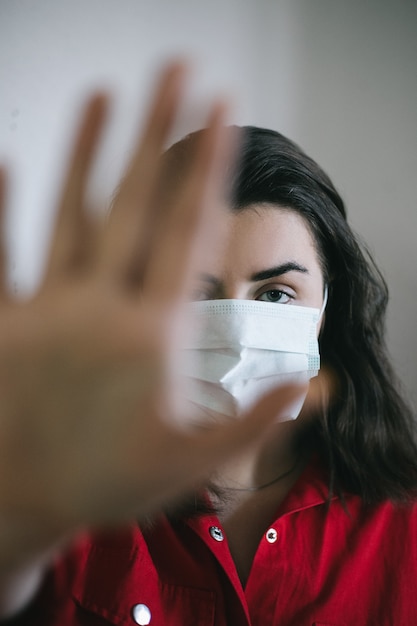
{"type": "Point", "coordinates": [224, 440]}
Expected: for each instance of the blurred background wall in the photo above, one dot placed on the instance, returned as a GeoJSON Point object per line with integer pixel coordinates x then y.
{"type": "Point", "coordinates": [337, 76]}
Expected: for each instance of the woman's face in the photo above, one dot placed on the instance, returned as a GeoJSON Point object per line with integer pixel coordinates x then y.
{"type": "Point", "coordinates": [270, 256]}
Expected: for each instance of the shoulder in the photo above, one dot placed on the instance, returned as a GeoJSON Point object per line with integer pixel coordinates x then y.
{"type": "Point", "coordinates": [390, 521]}
{"type": "Point", "coordinates": [311, 511]}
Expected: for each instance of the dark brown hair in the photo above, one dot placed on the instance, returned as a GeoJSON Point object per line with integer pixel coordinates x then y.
{"type": "Point", "coordinates": [367, 434]}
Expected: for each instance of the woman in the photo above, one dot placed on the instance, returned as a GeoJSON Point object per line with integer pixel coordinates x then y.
{"type": "Point", "coordinates": [317, 522]}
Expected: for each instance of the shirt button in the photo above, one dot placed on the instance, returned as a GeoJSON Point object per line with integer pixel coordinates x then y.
{"type": "Point", "coordinates": [271, 535]}
{"type": "Point", "coordinates": [141, 614]}
{"type": "Point", "coordinates": [216, 533]}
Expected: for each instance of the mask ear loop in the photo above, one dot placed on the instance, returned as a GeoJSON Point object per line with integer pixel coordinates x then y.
{"type": "Point", "coordinates": [323, 306]}
{"type": "Point", "coordinates": [324, 401]}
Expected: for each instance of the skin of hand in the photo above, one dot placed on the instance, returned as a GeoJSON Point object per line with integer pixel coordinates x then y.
{"type": "Point", "coordinates": [85, 434]}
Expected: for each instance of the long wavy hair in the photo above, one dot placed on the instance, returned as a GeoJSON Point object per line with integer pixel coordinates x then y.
{"type": "Point", "coordinates": [366, 434]}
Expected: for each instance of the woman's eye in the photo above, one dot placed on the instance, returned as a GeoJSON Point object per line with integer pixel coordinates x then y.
{"type": "Point", "coordinates": [275, 295]}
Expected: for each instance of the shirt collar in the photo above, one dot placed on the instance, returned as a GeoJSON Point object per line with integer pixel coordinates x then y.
{"type": "Point", "coordinates": [311, 489]}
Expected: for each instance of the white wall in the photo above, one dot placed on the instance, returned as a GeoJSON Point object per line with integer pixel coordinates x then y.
{"type": "Point", "coordinates": [53, 51]}
{"type": "Point", "coordinates": [338, 76]}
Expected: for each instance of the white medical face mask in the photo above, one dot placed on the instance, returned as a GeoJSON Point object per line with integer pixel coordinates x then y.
{"type": "Point", "coordinates": [238, 350]}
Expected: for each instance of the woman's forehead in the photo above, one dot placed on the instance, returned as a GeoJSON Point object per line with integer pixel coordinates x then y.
{"type": "Point", "coordinates": [268, 247]}
{"type": "Point", "coordinates": [267, 234]}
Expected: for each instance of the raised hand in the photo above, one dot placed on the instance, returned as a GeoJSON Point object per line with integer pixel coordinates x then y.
{"type": "Point", "coordinates": [86, 435]}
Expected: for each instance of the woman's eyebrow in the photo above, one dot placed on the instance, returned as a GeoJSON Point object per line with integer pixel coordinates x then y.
{"type": "Point", "coordinates": [209, 279]}
{"type": "Point", "coordinates": [290, 266]}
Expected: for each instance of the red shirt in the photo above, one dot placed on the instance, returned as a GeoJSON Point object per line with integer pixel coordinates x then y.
{"type": "Point", "coordinates": [317, 565]}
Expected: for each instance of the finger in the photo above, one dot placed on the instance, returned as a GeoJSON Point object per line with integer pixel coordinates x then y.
{"type": "Point", "coordinates": [132, 208]}
{"type": "Point", "coordinates": [188, 223]}
{"type": "Point", "coordinates": [323, 390]}
{"type": "Point", "coordinates": [72, 231]}
{"type": "Point", "coordinates": [232, 437]}
{"type": "Point", "coordinates": [3, 262]}
{"type": "Point", "coordinates": [202, 452]}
